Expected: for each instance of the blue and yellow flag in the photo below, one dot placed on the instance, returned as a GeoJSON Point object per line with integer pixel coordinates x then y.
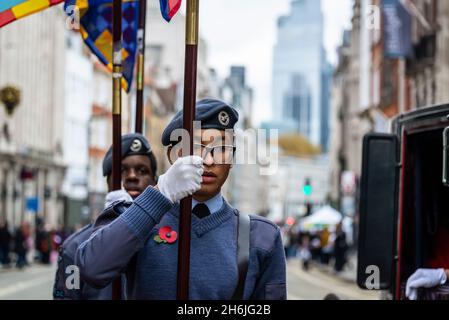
{"type": "Point", "coordinates": [96, 29]}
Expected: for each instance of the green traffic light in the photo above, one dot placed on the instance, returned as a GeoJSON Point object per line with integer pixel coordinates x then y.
{"type": "Point", "coordinates": [307, 189]}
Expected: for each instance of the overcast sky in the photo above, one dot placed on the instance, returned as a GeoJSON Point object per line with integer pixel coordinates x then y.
{"type": "Point", "coordinates": [242, 32]}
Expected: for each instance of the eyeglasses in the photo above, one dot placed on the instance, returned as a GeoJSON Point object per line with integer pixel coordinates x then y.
{"type": "Point", "coordinates": [222, 154]}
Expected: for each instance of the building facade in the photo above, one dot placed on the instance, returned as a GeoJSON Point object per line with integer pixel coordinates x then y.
{"type": "Point", "coordinates": [99, 132]}
{"type": "Point", "coordinates": [32, 166]}
{"type": "Point", "coordinates": [351, 117]}
{"type": "Point", "coordinates": [393, 60]}
{"type": "Point", "coordinates": [77, 112]}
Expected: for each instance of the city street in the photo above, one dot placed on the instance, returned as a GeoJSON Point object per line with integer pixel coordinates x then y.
{"type": "Point", "coordinates": [31, 283]}
{"type": "Point", "coordinates": [328, 120]}
{"type": "Point", "coordinates": [36, 283]}
{"type": "Point", "coordinates": [316, 283]}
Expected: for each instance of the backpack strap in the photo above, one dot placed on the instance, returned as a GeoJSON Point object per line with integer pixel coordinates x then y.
{"type": "Point", "coordinates": [243, 238]}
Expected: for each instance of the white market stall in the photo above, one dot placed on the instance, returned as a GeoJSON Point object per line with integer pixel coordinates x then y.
{"type": "Point", "coordinates": [326, 217]}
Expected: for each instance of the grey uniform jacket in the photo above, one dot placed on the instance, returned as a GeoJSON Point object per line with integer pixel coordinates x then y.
{"type": "Point", "coordinates": [66, 261]}
{"type": "Point", "coordinates": [126, 246]}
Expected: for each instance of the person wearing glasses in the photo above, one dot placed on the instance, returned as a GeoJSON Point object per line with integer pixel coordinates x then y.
{"type": "Point", "coordinates": [229, 259]}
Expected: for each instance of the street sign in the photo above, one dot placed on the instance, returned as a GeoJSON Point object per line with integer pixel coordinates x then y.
{"type": "Point", "coordinates": [32, 204]}
{"type": "Point", "coordinates": [397, 30]}
{"type": "Point", "coordinates": [348, 182]}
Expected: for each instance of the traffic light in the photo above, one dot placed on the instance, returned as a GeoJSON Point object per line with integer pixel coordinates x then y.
{"type": "Point", "coordinates": [307, 188]}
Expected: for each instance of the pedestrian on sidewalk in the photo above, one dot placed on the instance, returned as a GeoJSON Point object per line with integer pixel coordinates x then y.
{"type": "Point", "coordinates": [326, 247]}
{"type": "Point", "coordinates": [291, 242]}
{"type": "Point", "coordinates": [57, 238]}
{"type": "Point", "coordinates": [304, 252]}
{"type": "Point", "coordinates": [21, 244]}
{"type": "Point", "coordinates": [315, 246]}
{"type": "Point", "coordinates": [5, 243]}
{"type": "Point", "coordinates": [43, 243]}
{"type": "Point", "coordinates": [286, 239]}
{"type": "Point", "coordinates": [340, 248]}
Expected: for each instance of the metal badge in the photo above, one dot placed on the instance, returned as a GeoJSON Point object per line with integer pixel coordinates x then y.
{"type": "Point", "coordinates": [223, 118]}
{"type": "Point", "coordinates": [136, 146]}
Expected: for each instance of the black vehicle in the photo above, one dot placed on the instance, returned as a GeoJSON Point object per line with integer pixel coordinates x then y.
{"type": "Point", "coordinates": [404, 203]}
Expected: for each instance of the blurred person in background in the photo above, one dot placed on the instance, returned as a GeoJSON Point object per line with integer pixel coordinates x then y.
{"type": "Point", "coordinates": [292, 242]}
{"type": "Point", "coordinates": [315, 246]}
{"type": "Point", "coordinates": [326, 247]}
{"type": "Point", "coordinates": [21, 244]}
{"type": "Point", "coordinates": [57, 237]}
{"type": "Point", "coordinates": [286, 239]}
{"type": "Point", "coordinates": [43, 243]}
{"type": "Point", "coordinates": [5, 243]}
{"type": "Point", "coordinates": [340, 248]}
{"type": "Point", "coordinates": [304, 252]}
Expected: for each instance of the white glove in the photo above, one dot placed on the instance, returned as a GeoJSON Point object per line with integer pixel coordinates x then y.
{"type": "Point", "coordinates": [117, 196]}
{"type": "Point", "coordinates": [182, 179]}
{"type": "Point", "coordinates": [424, 278]}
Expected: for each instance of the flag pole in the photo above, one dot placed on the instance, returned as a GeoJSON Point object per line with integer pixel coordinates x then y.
{"type": "Point", "coordinates": [190, 74]}
{"type": "Point", "coordinates": [116, 112]}
{"type": "Point", "coordinates": [140, 65]}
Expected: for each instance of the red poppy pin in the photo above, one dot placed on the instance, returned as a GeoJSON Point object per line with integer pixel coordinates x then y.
{"type": "Point", "coordinates": [166, 235]}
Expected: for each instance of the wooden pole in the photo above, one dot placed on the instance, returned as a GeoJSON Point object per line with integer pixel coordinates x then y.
{"type": "Point", "coordinates": [190, 74]}
{"type": "Point", "coordinates": [117, 113]}
{"type": "Point", "coordinates": [140, 65]}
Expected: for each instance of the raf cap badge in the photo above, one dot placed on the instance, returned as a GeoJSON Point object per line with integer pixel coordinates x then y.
{"type": "Point", "coordinates": [223, 118]}
{"type": "Point", "coordinates": [136, 146]}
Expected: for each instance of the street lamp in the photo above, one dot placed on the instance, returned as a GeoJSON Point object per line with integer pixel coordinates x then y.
{"type": "Point", "coordinates": [10, 97]}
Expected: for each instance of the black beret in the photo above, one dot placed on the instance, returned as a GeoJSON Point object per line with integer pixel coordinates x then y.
{"type": "Point", "coordinates": [132, 144]}
{"type": "Point", "coordinates": [213, 114]}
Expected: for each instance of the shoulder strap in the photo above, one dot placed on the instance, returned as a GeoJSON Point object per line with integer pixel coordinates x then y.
{"type": "Point", "coordinates": [243, 238]}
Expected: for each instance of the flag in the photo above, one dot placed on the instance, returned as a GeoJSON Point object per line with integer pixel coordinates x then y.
{"type": "Point", "coordinates": [96, 29]}
{"type": "Point", "coordinates": [169, 8]}
{"type": "Point", "coordinates": [11, 10]}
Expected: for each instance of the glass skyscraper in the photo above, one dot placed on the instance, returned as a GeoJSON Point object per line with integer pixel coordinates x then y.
{"type": "Point", "coordinates": [301, 73]}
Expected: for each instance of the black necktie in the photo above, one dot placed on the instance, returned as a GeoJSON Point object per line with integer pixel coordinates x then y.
{"type": "Point", "coordinates": [201, 210]}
